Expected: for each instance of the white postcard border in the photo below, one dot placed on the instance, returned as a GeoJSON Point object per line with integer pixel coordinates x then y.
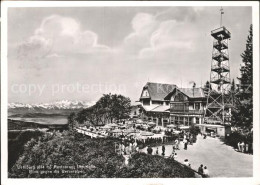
{"type": "Point", "coordinates": [145, 181]}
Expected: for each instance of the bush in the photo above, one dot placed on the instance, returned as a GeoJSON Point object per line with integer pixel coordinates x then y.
{"type": "Point", "coordinates": [96, 155]}
{"type": "Point", "coordinates": [16, 142]}
{"type": "Point", "coordinates": [236, 137]}
{"type": "Point", "coordinates": [154, 166]}
{"type": "Point", "coordinates": [61, 149]}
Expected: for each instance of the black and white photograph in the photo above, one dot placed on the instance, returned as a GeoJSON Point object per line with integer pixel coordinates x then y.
{"type": "Point", "coordinates": [107, 91]}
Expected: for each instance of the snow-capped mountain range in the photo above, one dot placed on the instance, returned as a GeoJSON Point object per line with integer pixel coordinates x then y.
{"type": "Point", "coordinates": [57, 105]}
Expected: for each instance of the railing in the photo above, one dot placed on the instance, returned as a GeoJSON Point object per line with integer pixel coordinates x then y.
{"type": "Point", "coordinates": [89, 133]}
{"type": "Point", "coordinates": [221, 29]}
{"type": "Point", "coordinates": [187, 111]}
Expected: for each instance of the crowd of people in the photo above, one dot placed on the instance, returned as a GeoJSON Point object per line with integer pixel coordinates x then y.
{"type": "Point", "coordinates": [203, 170]}
{"type": "Point", "coordinates": [127, 147]}
{"type": "Point", "coordinates": [243, 147]}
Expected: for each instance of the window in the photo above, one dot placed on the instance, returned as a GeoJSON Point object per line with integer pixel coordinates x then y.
{"type": "Point", "coordinates": [146, 102]}
{"type": "Point", "coordinates": [197, 106]}
{"type": "Point", "coordinates": [157, 102]}
{"type": "Point", "coordinates": [172, 119]}
{"type": "Point", "coordinates": [180, 107]}
{"type": "Point", "coordinates": [145, 93]}
{"type": "Point", "coordinates": [179, 97]}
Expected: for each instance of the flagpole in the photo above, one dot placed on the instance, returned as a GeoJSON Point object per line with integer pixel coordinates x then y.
{"type": "Point", "coordinates": [221, 12]}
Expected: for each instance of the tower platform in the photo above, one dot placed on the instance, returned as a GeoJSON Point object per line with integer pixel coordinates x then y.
{"type": "Point", "coordinates": [221, 33]}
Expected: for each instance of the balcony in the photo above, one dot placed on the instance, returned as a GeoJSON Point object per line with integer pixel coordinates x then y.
{"type": "Point", "coordinates": [221, 33]}
{"type": "Point", "coordinates": [186, 111]}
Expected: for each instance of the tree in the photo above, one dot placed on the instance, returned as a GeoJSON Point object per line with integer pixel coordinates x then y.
{"type": "Point", "coordinates": [245, 111]}
{"type": "Point", "coordinates": [207, 87]}
{"type": "Point", "coordinates": [233, 86]}
{"type": "Point", "coordinates": [90, 158]}
{"type": "Point", "coordinates": [71, 120]}
{"type": "Point", "coordinates": [246, 69]}
{"type": "Point", "coordinates": [108, 108]}
{"type": "Point", "coordinates": [96, 156]}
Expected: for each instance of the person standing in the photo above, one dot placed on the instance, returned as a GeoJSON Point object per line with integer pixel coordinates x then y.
{"type": "Point", "coordinates": [185, 144]}
{"type": "Point", "coordinates": [191, 139]}
{"type": "Point", "coordinates": [137, 149]}
{"type": "Point", "coordinates": [205, 172]}
{"type": "Point", "coordinates": [157, 151]}
{"type": "Point", "coordinates": [239, 146]}
{"type": "Point", "coordinates": [186, 162]}
{"type": "Point", "coordinates": [120, 148]}
{"type": "Point", "coordinates": [127, 151]}
{"type": "Point", "coordinates": [246, 149]}
{"type": "Point", "coordinates": [242, 145]}
{"type": "Point", "coordinates": [173, 149]}
{"type": "Point", "coordinates": [149, 150]}
{"type": "Point", "coordinates": [123, 149]}
{"type": "Point", "coordinates": [163, 150]}
{"type": "Point", "coordinates": [177, 144]}
{"type": "Point", "coordinates": [130, 147]}
{"type": "Point", "coordinates": [175, 156]}
{"type": "Point", "coordinates": [200, 169]}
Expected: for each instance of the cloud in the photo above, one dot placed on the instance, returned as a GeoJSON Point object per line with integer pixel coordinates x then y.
{"type": "Point", "coordinates": [170, 36]}
{"type": "Point", "coordinates": [54, 55]}
{"type": "Point", "coordinates": [166, 29]}
{"type": "Point", "coordinates": [60, 36]}
{"type": "Point", "coordinates": [35, 47]}
{"type": "Point", "coordinates": [179, 14]}
{"type": "Point", "coordinates": [143, 25]}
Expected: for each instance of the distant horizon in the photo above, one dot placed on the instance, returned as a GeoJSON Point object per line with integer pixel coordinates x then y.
{"type": "Point", "coordinates": [80, 53]}
{"type": "Point", "coordinates": [88, 101]}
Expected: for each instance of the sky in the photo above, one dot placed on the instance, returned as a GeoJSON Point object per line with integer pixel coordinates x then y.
{"type": "Point", "coordinates": [81, 53]}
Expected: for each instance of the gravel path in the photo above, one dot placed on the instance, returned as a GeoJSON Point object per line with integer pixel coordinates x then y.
{"type": "Point", "coordinates": [221, 160]}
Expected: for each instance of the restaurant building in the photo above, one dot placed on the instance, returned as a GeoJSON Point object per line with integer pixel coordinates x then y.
{"type": "Point", "coordinates": [167, 104]}
{"type": "Point", "coordinates": [187, 106]}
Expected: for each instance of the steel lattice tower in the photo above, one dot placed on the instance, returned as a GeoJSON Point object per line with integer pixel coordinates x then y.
{"type": "Point", "coordinates": [219, 99]}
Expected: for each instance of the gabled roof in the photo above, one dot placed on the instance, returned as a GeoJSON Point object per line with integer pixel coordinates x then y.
{"type": "Point", "coordinates": [168, 97]}
{"type": "Point", "coordinates": [158, 91]}
{"type": "Point", "coordinates": [193, 92]}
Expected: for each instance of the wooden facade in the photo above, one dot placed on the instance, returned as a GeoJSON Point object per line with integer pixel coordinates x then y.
{"type": "Point", "coordinates": [172, 105]}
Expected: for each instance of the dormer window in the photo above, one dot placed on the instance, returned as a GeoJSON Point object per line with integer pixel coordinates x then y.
{"type": "Point", "coordinates": [145, 93]}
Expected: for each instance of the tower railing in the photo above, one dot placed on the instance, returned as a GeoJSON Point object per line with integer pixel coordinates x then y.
{"type": "Point", "coordinates": [221, 33]}
{"type": "Point", "coordinates": [220, 43]}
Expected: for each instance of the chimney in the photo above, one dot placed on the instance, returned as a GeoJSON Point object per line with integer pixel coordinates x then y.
{"type": "Point", "coordinates": [194, 85]}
